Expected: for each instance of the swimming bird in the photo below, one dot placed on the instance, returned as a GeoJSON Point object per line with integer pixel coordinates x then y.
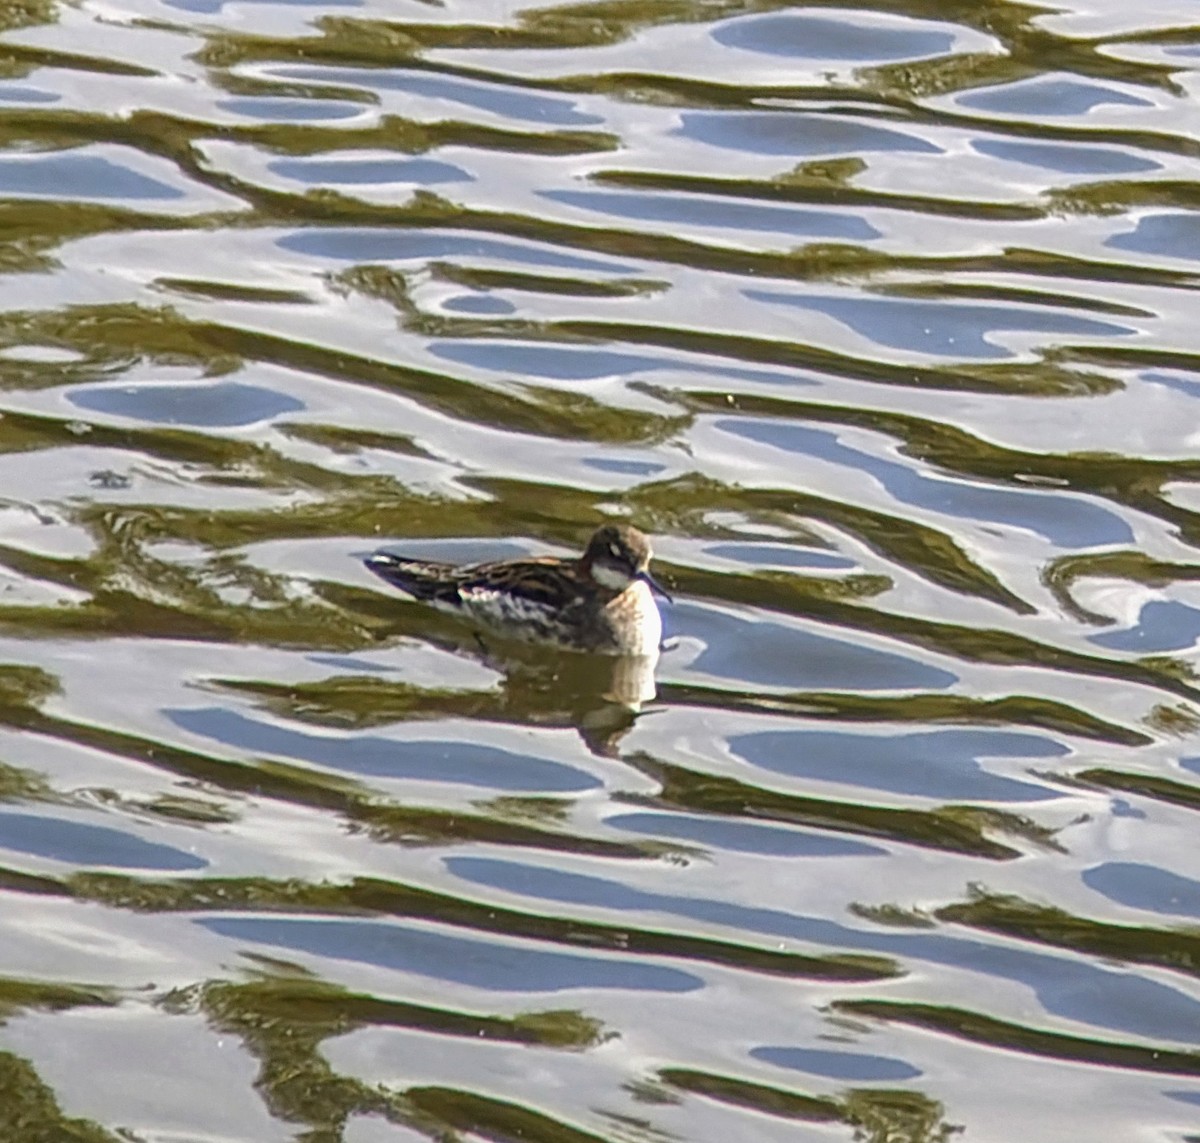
{"type": "Point", "coordinates": [599, 602]}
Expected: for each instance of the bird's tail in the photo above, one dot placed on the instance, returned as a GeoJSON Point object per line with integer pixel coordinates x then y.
{"type": "Point", "coordinates": [423, 579]}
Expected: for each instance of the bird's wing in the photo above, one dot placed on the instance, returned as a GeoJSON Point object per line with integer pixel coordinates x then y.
{"type": "Point", "coordinates": [544, 580]}
{"type": "Point", "coordinates": [427, 580]}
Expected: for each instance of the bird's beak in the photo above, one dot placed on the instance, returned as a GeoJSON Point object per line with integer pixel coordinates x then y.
{"type": "Point", "coordinates": [654, 585]}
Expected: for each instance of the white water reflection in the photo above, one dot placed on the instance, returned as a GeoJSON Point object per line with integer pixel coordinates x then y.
{"type": "Point", "coordinates": [878, 321]}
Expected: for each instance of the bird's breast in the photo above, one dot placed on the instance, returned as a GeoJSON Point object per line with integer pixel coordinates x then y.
{"type": "Point", "coordinates": [634, 621]}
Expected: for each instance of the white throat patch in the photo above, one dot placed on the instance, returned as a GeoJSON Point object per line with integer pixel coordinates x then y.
{"type": "Point", "coordinates": [607, 576]}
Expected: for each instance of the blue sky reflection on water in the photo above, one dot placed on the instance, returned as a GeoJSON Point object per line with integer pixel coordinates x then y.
{"type": "Point", "coordinates": [940, 764]}
{"type": "Point", "coordinates": [481, 964]}
{"type": "Point", "coordinates": [877, 322]}
{"type": "Point", "coordinates": [1066, 521]}
{"type": "Point", "coordinates": [446, 761]}
{"type": "Point", "coordinates": [1109, 999]}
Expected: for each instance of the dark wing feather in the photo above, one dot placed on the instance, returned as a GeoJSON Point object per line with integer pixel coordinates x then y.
{"type": "Point", "coordinates": [551, 583]}
{"type": "Point", "coordinates": [544, 580]}
{"type": "Point", "coordinates": [427, 580]}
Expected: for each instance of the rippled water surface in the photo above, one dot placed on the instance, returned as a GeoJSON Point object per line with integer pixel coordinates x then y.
{"type": "Point", "coordinates": [881, 320]}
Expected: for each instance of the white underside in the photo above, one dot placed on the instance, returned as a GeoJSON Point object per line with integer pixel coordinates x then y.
{"type": "Point", "coordinates": [499, 608]}
{"type": "Point", "coordinates": [634, 621]}
{"type": "Point", "coordinates": [644, 635]}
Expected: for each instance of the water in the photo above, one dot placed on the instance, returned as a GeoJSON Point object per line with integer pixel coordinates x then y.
{"type": "Point", "coordinates": [881, 321]}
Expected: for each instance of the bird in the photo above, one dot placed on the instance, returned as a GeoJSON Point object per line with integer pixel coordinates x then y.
{"type": "Point", "coordinates": [600, 602]}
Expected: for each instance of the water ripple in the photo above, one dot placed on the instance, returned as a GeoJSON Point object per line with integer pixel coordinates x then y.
{"type": "Point", "coordinates": [877, 321]}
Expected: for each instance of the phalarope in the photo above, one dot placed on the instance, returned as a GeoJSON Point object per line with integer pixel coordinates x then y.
{"type": "Point", "coordinates": [599, 602]}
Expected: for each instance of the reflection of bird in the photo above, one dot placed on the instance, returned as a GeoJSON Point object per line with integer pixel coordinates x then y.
{"type": "Point", "coordinates": [599, 602]}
